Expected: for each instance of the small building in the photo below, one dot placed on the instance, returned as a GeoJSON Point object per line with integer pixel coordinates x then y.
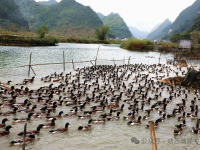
{"type": "Point", "coordinates": [185, 44]}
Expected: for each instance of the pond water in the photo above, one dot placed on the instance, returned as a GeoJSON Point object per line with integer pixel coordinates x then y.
{"type": "Point", "coordinates": [111, 135]}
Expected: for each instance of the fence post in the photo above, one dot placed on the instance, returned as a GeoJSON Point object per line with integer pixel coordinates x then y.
{"type": "Point", "coordinates": [152, 134]}
{"type": "Point", "coordinates": [24, 137]}
{"type": "Point", "coordinates": [96, 56]}
{"type": "Point", "coordinates": [73, 63]}
{"type": "Point", "coordinates": [29, 65]}
{"type": "Point", "coordinates": [63, 61]}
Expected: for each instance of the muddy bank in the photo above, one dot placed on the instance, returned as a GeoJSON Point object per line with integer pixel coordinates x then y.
{"type": "Point", "coordinates": [173, 80]}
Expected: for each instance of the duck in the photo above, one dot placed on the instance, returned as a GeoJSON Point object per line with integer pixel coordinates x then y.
{"type": "Point", "coordinates": [121, 109]}
{"type": "Point", "coordinates": [196, 129]}
{"type": "Point", "coordinates": [48, 125]}
{"type": "Point", "coordinates": [23, 119]}
{"type": "Point", "coordinates": [2, 133]}
{"type": "Point", "coordinates": [178, 130]}
{"type": "Point", "coordinates": [135, 122]}
{"type": "Point", "coordinates": [100, 120]}
{"type": "Point", "coordinates": [57, 116]}
{"type": "Point", "coordinates": [171, 115]}
{"type": "Point", "coordinates": [181, 118]}
{"type": "Point", "coordinates": [3, 122]}
{"type": "Point", "coordinates": [20, 142]}
{"type": "Point", "coordinates": [107, 114]}
{"type": "Point", "coordinates": [9, 112]}
{"type": "Point", "coordinates": [114, 117]}
{"type": "Point", "coordinates": [147, 116]}
{"type": "Point", "coordinates": [32, 131]}
{"type": "Point", "coordinates": [60, 129]}
{"type": "Point", "coordinates": [195, 116]}
{"type": "Point", "coordinates": [130, 117]}
{"type": "Point", "coordinates": [86, 127]}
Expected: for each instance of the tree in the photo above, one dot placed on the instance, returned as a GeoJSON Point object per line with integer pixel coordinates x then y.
{"type": "Point", "coordinates": [101, 32]}
{"type": "Point", "coordinates": [42, 31]}
{"type": "Point", "coordinates": [175, 37]}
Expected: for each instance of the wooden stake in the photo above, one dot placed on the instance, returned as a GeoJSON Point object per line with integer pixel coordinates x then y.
{"type": "Point", "coordinates": [96, 56]}
{"type": "Point", "coordinates": [114, 61]}
{"type": "Point", "coordinates": [63, 61]}
{"type": "Point", "coordinates": [73, 63]}
{"type": "Point", "coordinates": [152, 134]}
{"type": "Point", "coordinates": [33, 71]}
{"type": "Point", "coordinates": [29, 65]}
{"type": "Point", "coordinates": [24, 137]}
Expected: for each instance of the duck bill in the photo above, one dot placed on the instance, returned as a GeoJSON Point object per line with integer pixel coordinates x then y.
{"type": "Point", "coordinates": [12, 127]}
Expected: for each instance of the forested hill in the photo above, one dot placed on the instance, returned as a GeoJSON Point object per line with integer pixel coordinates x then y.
{"type": "Point", "coordinates": [155, 34]}
{"type": "Point", "coordinates": [117, 26]}
{"type": "Point", "coordinates": [184, 21]}
{"type": "Point", "coordinates": [50, 2]}
{"type": "Point", "coordinates": [10, 16]}
{"type": "Point", "coordinates": [67, 18]}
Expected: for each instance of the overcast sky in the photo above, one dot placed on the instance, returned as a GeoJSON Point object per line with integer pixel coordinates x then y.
{"type": "Point", "coordinates": [143, 14]}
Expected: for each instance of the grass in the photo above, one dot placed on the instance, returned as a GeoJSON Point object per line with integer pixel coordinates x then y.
{"type": "Point", "coordinates": [86, 40]}
{"type": "Point", "coordinates": [167, 46]}
{"type": "Point", "coordinates": [18, 40]}
{"type": "Point", "coordinates": [136, 44]}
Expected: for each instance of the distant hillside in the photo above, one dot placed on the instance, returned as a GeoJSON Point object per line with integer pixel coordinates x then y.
{"type": "Point", "coordinates": [67, 18]}
{"type": "Point", "coordinates": [137, 33]}
{"type": "Point", "coordinates": [11, 17]}
{"type": "Point", "coordinates": [100, 15]}
{"type": "Point", "coordinates": [195, 26]}
{"type": "Point", "coordinates": [184, 21]}
{"type": "Point", "coordinates": [50, 2]}
{"type": "Point", "coordinates": [155, 27]}
{"type": "Point", "coordinates": [117, 25]}
{"type": "Point", "coordinates": [155, 34]}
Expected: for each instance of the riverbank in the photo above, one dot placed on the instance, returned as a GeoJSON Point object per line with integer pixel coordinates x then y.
{"type": "Point", "coordinates": [15, 40]}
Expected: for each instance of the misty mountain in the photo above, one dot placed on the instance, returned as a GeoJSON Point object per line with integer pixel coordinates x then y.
{"type": "Point", "coordinates": [10, 16]}
{"type": "Point", "coordinates": [184, 21]}
{"type": "Point", "coordinates": [137, 33]}
{"type": "Point", "coordinates": [66, 18]}
{"type": "Point", "coordinates": [100, 15]}
{"type": "Point", "coordinates": [117, 25]}
{"type": "Point", "coordinates": [50, 2]}
{"type": "Point", "coordinates": [155, 34]}
{"type": "Point", "coordinates": [155, 27]}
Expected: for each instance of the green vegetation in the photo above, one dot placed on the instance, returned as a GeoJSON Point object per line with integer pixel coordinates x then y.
{"type": "Point", "coordinates": [86, 40]}
{"type": "Point", "coordinates": [16, 40]}
{"type": "Point", "coordinates": [175, 38]}
{"type": "Point", "coordinates": [136, 44]}
{"type": "Point", "coordinates": [184, 21]}
{"type": "Point", "coordinates": [67, 18]}
{"type": "Point", "coordinates": [42, 31]}
{"type": "Point", "coordinates": [100, 15]}
{"type": "Point", "coordinates": [167, 45]}
{"type": "Point", "coordinates": [155, 34]}
{"type": "Point", "coordinates": [101, 32]}
{"type": "Point", "coordinates": [117, 26]}
{"type": "Point", "coordinates": [10, 16]}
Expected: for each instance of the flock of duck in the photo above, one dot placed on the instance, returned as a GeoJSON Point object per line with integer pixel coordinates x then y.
{"type": "Point", "coordinates": [104, 89]}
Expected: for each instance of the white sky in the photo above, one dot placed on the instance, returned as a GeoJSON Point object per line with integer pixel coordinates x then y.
{"type": "Point", "coordinates": [143, 14]}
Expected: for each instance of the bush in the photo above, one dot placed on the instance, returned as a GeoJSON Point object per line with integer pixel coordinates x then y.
{"type": "Point", "coordinates": [136, 44]}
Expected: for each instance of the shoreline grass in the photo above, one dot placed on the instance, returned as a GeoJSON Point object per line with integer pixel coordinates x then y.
{"type": "Point", "coordinates": [136, 44]}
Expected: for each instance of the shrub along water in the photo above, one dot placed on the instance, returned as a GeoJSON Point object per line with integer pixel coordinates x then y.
{"type": "Point", "coordinates": [136, 44]}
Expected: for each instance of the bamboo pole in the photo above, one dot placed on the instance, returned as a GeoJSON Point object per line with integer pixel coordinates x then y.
{"type": "Point", "coordinates": [152, 134]}
{"type": "Point", "coordinates": [96, 56]}
{"type": "Point", "coordinates": [73, 63]}
{"type": "Point", "coordinates": [33, 71]}
{"type": "Point", "coordinates": [24, 137]}
{"type": "Point", "coordinates": [63, 61]}
{"type": "Point", "coordinates": [29, 65]}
